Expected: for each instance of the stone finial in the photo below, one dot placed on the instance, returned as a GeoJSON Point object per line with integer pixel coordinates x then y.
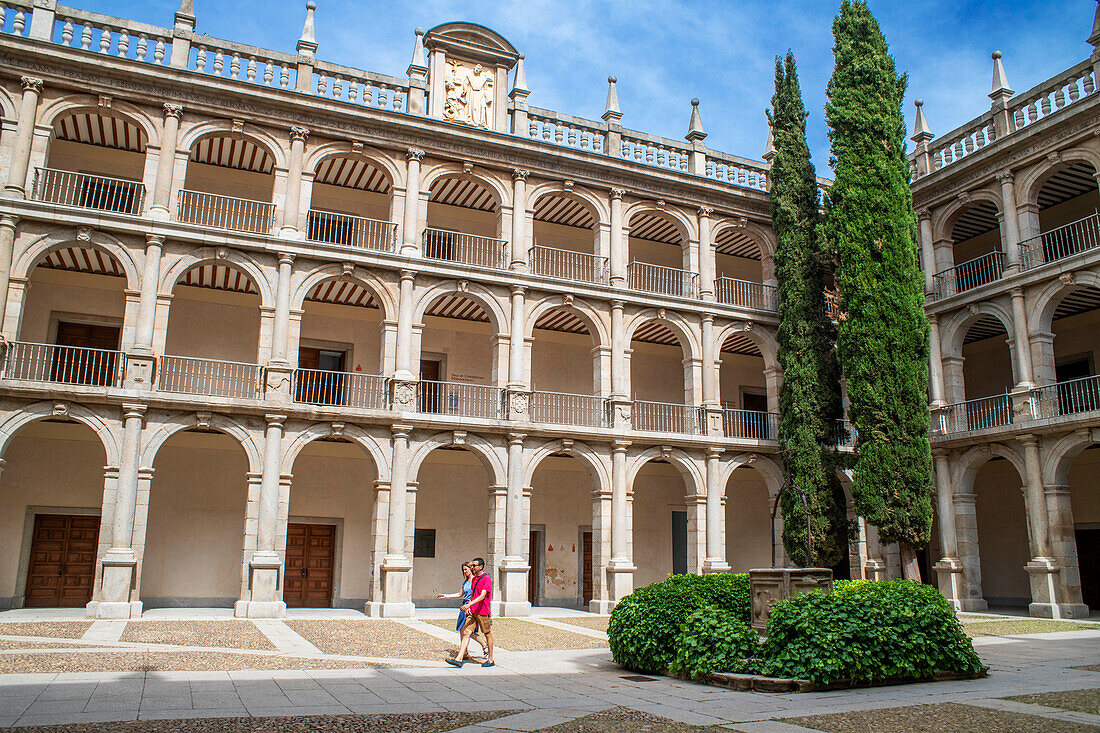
{"type": "Point", "coordinates": [1000, 81]}
{"type": "Point", "coordinates": [520, 83]}
{"type": "Point", "coordinates": [695, 126]}
{"type": "Point", "coordinates": [187, 9]}
{"type": "Point", "coordinates": [769, 147]}
{"type": "Point", "coordinates": [307, 44]}
{"type": "Point", "coordinates": [921, 132]}
{"type": "Point", "coordinates": [611, 112]}
{"type": "Point", "coordinates": [1094, 38]}
{"type": "Point", "coordinates": [417, 62]}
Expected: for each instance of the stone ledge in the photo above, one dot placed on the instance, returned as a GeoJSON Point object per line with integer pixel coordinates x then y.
{"type": "Point", "coordinates": [759, 683]}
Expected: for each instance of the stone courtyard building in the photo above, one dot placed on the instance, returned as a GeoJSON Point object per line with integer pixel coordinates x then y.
{"type": "Point", "coordinates": [280, 332]}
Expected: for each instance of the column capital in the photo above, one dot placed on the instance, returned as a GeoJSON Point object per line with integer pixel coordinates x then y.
{"type": "Point", "coordinates": [298, 133]}
{"type": "Point", "coordinates": [1028, 440]}
{"type": "Point", "coordinates": [1006, 176]}
{"type": "Point", "coordinates": [133, 409]}
{"type": "Point", "coordinates": [939, 453]}
{"type": "Point", "coordinates": [275, 421]}
{"type": "Point", "coordinates": [933, 319]}
{"type": "Point", "coordinates": [617, 304]}
{"type": "Point", "coordinates": [286, 258]}
{"type": "Point", "coordinates": [516, 438]}
{"type": "Point", "coordinates": [1056, 490]}
{"type": "Point", "coordinates": [619, 446]}
{"type": "Point", "coordinates": [705, 212]}
{"type": "Point", "coordinates": [708, 318]}
{"type": "Point", "coordinates": [1016, 292]}
{"type": "Point", "coordinates": [153, 240]}
{"type": "Point", "coordinates": [9, 220]}
{"type": "Point", "coordinates": [518, 174]}
{"type": "Point", "coordinates": [173, 110]}
{"type": "Point", "coordinates": [617, 194]}
{"type": "Point", "coordinates": [414, 154]}
{"type": "Point", "coordinates": [519, 289]}
{"type": "Point", "coordinates": [145, 473]}
{"type": "Point", "coordinates": [923, 214]}
{"type": "Point", "coordinates": [408, 274]}
{"type": "Point", "coordinates": [714, 452]}
{"type": "Point", "coordinates": [31, 84]}
{"type": "Point", "coordinates": [401, 430]}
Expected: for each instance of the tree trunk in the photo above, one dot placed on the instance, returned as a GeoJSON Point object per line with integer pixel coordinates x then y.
{"type": "Point", "coordinates": [910, 570]}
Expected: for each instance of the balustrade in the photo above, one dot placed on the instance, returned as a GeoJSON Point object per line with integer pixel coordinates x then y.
{"type": "Point", "coordinates": [750, 424]}
{"type": "Point", "coordinates": [745, 294]}
{"type": "Point", "coordinates": [969, 275]}
{"type": "Point", "coordinates": [456, 398]}
{"type": "Point", "coordinates": [15, 18]}
{"type": "Point", "coordinates": [225, 212]}
{"type": "Point", "coordinates": [102, 34]}
{"type": "Point", "coordinates": [568, 265]}
{"type": "Point", "coordinates": [570, 132]}
{"type": "Point", "coordinates": [736, 171]}
{"type": "Point", "coordinates": [345, 84]}
{"type": "Point", "coordinates": [88, 191]}
{"type": "Point", "coordinates": [651, 278]}
{"type": "Point", "coordinates": [212, 377]}
{"type": "Point", "coordinates": [1053, 95]}
{"type": "Point", "coordinates": [655, 151]}
{"type": "Point", "coordinates": [562, 408]}
{"type": "Point", "coordinates": [343, 389]}
{"type": "Point", "coordinates": [668, 417]}
{"type": "Point", "coordinates": [1071, 397]}
{"type": "Point", "coordinates": [976, 414]}
{"type": "Point", "coordinates": [1064, 241]}
{"type": "Point", "coordinates": [470, 249]}
{"type": "Point", "coordinates": [846, 434]}
{"type": "Point", "coordinates": [243, 63]}
{"type": "Point", "coordinates": [33, 362]}
{"type": "Point", "coordinates": [350, 231]}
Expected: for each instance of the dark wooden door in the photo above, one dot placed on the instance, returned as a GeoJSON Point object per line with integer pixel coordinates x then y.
{"type": "Point", "coordinates": [95, 368]}
{"type": "Point", "coordinates": [586, 563]}
{"type": "Point", "coordinates": [323, 384]}
{"type": "Point", "coordinates": [310, 557]}
{"type": "Point", "coordinates": [535, 562]}
{"type": "Point", "coordinates": [62, 562]}
{"type": "Point", "coordinates": [1088, 562]}
{"type": "Point", "coordinates": [431, 393]}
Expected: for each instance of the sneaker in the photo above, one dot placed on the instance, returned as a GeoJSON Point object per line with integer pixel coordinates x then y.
{"type": "Point", "coordinates": [453, 662]}
{"type": "Point", "coordinates": [487, 663]}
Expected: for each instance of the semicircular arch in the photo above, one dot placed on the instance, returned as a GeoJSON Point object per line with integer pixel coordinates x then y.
{"type": "Point", "coordinates": [476, 292]}
{"type": "Point", "coordinates": [228, 258]}
{"type": "Point", "coordinates": [224, 128]}
{"type": "Point", "coordinates": [24, 262]}
{"type": "Point", "coordinates": [37, 411]}
{"type": "Point", "coordinates": [486, 452]}
{"type": "Point", "coordinates": [364, 278]}
{"type": "Point", "coordinates": [578, 307]}
{"type": "Point", "coordinates": [160, 434]}
{"type": "Point", "coordinates": [373, 156]}
{"type": "Point", "coordinates": [583, 452]}
{"type": "Point", "coordinates": [372, 447]}
{"type": "Point", "coordinates": [694, 482]}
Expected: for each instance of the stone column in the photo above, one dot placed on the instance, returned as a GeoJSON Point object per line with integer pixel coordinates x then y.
{"type": "Point", "coordinates": [706, 255]}
{"type": "Point", "coordinates": [8, 224]}
{"type": "Point", "coordinates": [279, 369]}
{"type": "Point", "coordinates": [935, 362]}
{"type": "Point", "coordinates": [410, 231]}
{"type": "Point", "coordinates": [519, 220]}
{"type": "Point", "coordinates": [927, 253]}
{"type": "Point", "coordinates": [292, 200]}
{"type": "Point", "coordinates": [966, 541]}
{"type": "Point", "coordinates": [1020, 336]}
{"type": "Point", "coordinates": [139, 360]}
{"type": "Point", "coordinates": [620, 569]}
{"type": "Point", "coordinates": [24, 136]}
{"type": "Point", "coordinates": [1063, 544]}
{"type": "Point", "coordinates": [1010, 221]}
{"type": "Point", "coordinates": [403, 361]}
{"type": "Point", "coordinates": [709, 378]}
{"type": "Point", "coordinates": [166, 164]}
{"type": "Point", "coordinates": [618, 244]}
{"type": "Point", "coordinates": [265, 566]}
{"type": "Point", "coordinates": [948, 569]}
{"type": "Point", "coordinates": [1042, 568]}
{"type": "Point", "coordinates": [120, 561]}
{"type": "Point", "coordinates": [396, 565]}
{"type": "Point", "coordinates": [514, 567]}
{"type": "Point", "coordinates": [516, 340]}
{"type": "Point", "coordinates": [716, 555]}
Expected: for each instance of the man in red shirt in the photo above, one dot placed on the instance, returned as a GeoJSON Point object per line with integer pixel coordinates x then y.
{"type": "Point", "coordinates": [478, 615]}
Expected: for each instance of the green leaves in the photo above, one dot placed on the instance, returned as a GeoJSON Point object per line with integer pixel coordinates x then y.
{"type": "Point", "coordinates": [712, 640]}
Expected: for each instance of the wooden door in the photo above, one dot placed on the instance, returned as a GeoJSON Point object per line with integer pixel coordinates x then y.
{"type": "Point", "coordinates": [323, 384]}
{"type": "Point", "coordinates": [586, 563]}
{"type": "Point", "coordinates": [310, 558]}
{"type": "Point", "coordinates": [431, 394]}
{"type": "Point", "coordinates": [62, 562]}
{"type": "Point", "coordinates": [535, 556]}
{"type": "Point", "coordinates": [95, 368]}
{"type": "Point", "coordinates": [1088, 563]}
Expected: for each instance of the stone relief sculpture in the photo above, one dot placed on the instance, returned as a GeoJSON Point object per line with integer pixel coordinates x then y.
{"type": "Point", "coordinates": [469, 94]}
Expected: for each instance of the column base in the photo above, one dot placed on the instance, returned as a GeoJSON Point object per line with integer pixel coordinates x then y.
{"type": "Point", "coordinates": [394, 609]}
{"type": "Point", "coordinates": [396, 590]}
{"type": "Point", "coordinates": [950, 579]}
{"type": "Point", "coordinates": [259, 609]}
{"type": "Point", "coordinates": [113, 610]}
{"type": "Point", "coordinates": [620, 579]}
{"type": "Point", "coordinates": [118, 578]}
{"type": "Point", "coordinates": [713, 567]}
{"type": "Point", "coordinates": [265, 591]}
{"type": "Point", "coordinates": [973, 605]}
{"type": "Point", "coordinates": [601, 606]}
{"type": "Point", "coordinates": [874, 570]}
{"type": "Point", "coordinates": [512, 595]}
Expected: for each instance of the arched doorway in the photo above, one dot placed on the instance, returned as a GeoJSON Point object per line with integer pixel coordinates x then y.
{"type": "Point", "coordinates": [564, 551]}
{"type": "Point", "coordinates": [1003, 543]}
{"type": "Point", "coordinates": [748, 525]}
{"type": "Point", "coordinates": [350, 204]}
{"type": "Point", "coordinates": [662, 523]}
{"type": "Point", "coordinates": [229, 184]}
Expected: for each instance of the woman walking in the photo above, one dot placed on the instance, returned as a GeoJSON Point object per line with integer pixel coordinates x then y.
{"type": "Point", "coordinates": [466, 594]}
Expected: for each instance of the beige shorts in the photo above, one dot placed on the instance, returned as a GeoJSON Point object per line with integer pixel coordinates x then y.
{"type": "Point", "coordinates": [478, 623]}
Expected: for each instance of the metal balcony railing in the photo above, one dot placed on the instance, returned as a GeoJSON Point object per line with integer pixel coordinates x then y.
{"type": "Point", "coordinates": [440, 244]}
{"type": "Point", "coordinates": [87, 191]}
{"type": "Point", "coordinates": [212, 377]}
{"type": "Point", "coordinates": [746, 294]}
{"type": "Point", "coordinates": [846, 434]}
{"type": "Point", "coordinates": [668, 417]}
{"type": "Point", "coordinates": [568, 265]}
{"type": "Point", "coordinates": [750, 424]}
{"type": "Point", "coordinates": [969, 275]}
{"type": "Point", "coordinates": [343, 389]}
{"type": "Point", "coordinates": [563, 408]}
{"type": "Point", "coordinates": [1072, 397]}
{"type": "Point", "coordinates": [457, 398]}
{"type": "Point", "coordinates": [351, 231]}
{"type": "Point", "coordinates": [664, 280]}
{"type": "Point", "coordinates": [976, 414]}
{"type": "Point", "coordinates": [33, 362]}
{"type": "Point", "coordinates": [1064, 241]}
{"type": "Point", "coordinates": [225, 212]}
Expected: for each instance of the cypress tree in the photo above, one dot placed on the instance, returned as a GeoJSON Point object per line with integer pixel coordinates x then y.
{"type": "Point", "coordinates": [883, 342]}
{"type": "Point", "coordinates": [809, 400]}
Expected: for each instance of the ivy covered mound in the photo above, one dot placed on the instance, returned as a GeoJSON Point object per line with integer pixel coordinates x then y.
{"type": "Point", "coordinates": [863, 632]}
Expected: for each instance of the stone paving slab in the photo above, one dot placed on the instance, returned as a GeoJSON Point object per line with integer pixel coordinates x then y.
{"type": "Point", "coordinates": [56, 629]}
{"type": "Point", "coordinates": [370, 638]}
{"type": "Point", "coordinates": [236, 634]}
{"type": "Point", "coordinates": [521, 635]}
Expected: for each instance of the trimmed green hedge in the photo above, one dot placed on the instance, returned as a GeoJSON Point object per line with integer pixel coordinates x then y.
{"type": "Point", "coordinates": [643, 627]}
{"type": "Point", "coordinates": [866, 631]}
{"type": "Point", "coordinates": [712, 640]}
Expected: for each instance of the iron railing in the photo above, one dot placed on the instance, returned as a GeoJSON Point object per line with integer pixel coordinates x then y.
{"type": "Point", "coordinates": [344, 389]}
{"type": "Point", "coordinates": [969, 275]}
{"type": "Point", "coordinates": [651, 278]}
{"type": "Point", "coordinates": [87, 191]}
{"type": "Point", "coordinates": [976, 414]}
{"type": "Point", "coordinates": [225, 212]}
{"type": "Point", "coordinates": [668, 417]}
{"type": "Point", "coordinates": [1064, 241]}
{"type": "Point", "coordinates": [568, 265]}
{"type": "Point", "coordinates": [750, 424]}
{"type": "Point", "coordinates": [845, 434]}
{"type": "Point", "coordinates": [350, 231]}
{"type": "Point", "coordinates": [34, 362]}
{"type": "Point", "coordinates": [457, 398]}
{"type": "Point", "coordinates": [746, 294]}
{"type": "Point", "coordinates": [1070, 397]}
{"type": "Point", "coordinates": [212, 377]}
{"type": "Point", "coordinates": [563, 408]}
{"type": "Point", "coordinates": [471, 249]}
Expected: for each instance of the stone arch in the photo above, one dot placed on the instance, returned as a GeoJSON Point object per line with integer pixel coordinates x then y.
{"type": "Point", "coordinates": [374, 156]}
{"type": "Point", "coordinates": [24, 262]}
{"type": "Point", "coordinates": [252, 133]}
{"type": "Point", "coordinates": [499, 190]}
{"type": "Point", "coordinates": [771, 471]}
{"type": "Point", "coordinates": [489, 455]}
{"type": "Point", "coordinates": [85, 103]}
{"type": "Point", "coordinates": [955, 328]}
{"type": "Point", "coordinates": [475, 292]}
{"type": "Point", "coordinates": [1032, 182]}
{"type": "Point", "coordinates": [1040, 315]}
{"type": "Point", "coordinates": [34, 412]}
{"type": "Point", "coordinates": [581, 451]}
{"type": "Point", "coordinates": [362, 277]}
{"type": "Point", "coordinates": [684, 223]}
{"type": "Point", "coordinates": [227, 257]}
{"type": "Point", "coordinates": [8, 108]}
{"type": "Point", "coordinates": [694, 481]}
{"type": "Point", "coordinates": [1059, 457]}
{"type": "Point", "coordinates": [580, 194]}
{"type": "Point", "coordinates": [763, 236]}
{"type": "Point", "coordinates": [684, 331]}
{"type": "Point", "coordinates": [578, 307]}
{"type": "Point", "coordinates": [970, 462]}
{"type": "Point", "coordinates": [160, 434]}
{"type": "Point", "coordinates": [943, 222]}
{"type": "Point", "coordinates": [370, 445]}
{"type": "Point", "coordinates": [762, 337]}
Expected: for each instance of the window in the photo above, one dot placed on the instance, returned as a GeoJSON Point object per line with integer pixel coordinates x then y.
{"type": "Point", "coordinates": [423, 543]}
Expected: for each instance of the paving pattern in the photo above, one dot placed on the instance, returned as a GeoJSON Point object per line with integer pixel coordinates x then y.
{"type": "Point", "coordinates": [235, 634]}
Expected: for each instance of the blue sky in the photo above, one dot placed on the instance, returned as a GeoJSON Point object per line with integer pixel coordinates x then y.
{"type": "Point", "coordinates": [664, 52]}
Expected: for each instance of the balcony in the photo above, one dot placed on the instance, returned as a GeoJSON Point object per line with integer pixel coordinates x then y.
{"type": "Point", "coordinates": [1064, 241]}
{"type": "Point", "coordinates": [565, 264]}
{"type": "Point", "coordinates": [87, 191]}
{"type": "Point", "coordinates": [456, 398]}
{"type": "Point", "coordinates": [746, 294]}
{"type": "Point", "coordinates": [976, 414]}
{"type": "Point", "coordinates": [562, 408]}
{"type": "Point", "coordinates": [350, 231]}
{"type": "Point", "coordinates": [1072, 397]}
{"type": "Point", "coordinates": [341, 389]}
{"type": "Point", "coordinates": [76, 365]}
{"type": "Point", "coordinates": [846, 434]}
{"type": "Point", "coordinates": [668, 417]}
{"type": "Point", "coordinates": [469, 249]}
{"type": "Point", "coordinates": [969, 275]}
{"type": "Point", "coordinates": [650, 278]}
{"type": "Point", "coordinates": [209, 377]}
{"type": "Point", "coordinates": [225, 212]}
{"type": "Point", "coordinates": [750, 424]}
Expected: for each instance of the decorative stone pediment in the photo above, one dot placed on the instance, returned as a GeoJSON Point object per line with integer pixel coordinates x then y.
{"type": "Point", "coordinates": [468, 67]}
{"type": "Point", "coordinates": [472, 41]}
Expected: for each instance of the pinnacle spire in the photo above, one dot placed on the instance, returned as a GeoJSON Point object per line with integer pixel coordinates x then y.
{"type": "Point", "coordinates": [307, 44]}
{"type": "Point", "coordinates": [1000, 81]}
{"type": "Point", "coordinates": [611, 112]}
{"type": "Point", "coordinates": [417, 62]}
{"type": "Point", "coordinates": [695, 126]}
{"type": "Point", "coordinates": [520, 83]}
{"type": "Point", "coordinates": [921, 130]}
{"type": "Point", "coordinates": [769, 147]}
{"type": "Point", "coordinates": [1094, 38]}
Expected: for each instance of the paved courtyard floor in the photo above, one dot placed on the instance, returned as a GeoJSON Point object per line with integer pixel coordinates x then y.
{"type": "Point", "coordinates": [179, 670]}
